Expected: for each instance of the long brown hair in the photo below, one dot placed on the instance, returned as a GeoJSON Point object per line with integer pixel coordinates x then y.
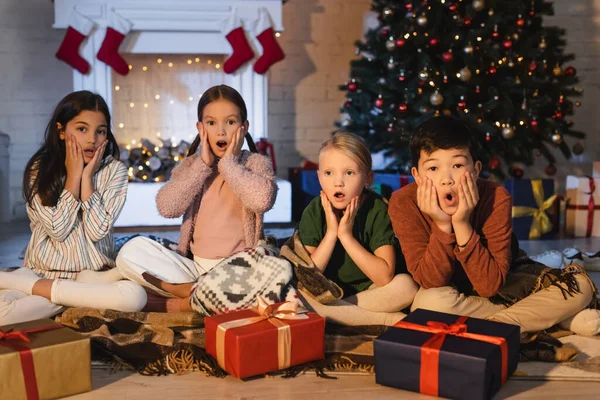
{"type": "Point", "coordinates": [227, 93]}
{"type": "Point", "coordinates": [45, 171]}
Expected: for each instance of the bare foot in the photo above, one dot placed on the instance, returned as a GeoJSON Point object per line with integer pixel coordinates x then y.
{"type": "Point", "coordinates": [43, 287]}
{"type": "Point", "coordinates": [178, 289]}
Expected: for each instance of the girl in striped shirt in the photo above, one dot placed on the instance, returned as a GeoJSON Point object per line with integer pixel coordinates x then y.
{"type": "Point", "coordinates": [75, 188]}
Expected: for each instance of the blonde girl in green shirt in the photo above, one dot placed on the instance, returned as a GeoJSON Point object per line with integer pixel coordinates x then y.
{"type": "Point", "coordinates": [348, 233]}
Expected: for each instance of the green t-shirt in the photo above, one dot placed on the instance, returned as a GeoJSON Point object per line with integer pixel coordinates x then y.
{"type": "Point", "coordinates": [372, 229]}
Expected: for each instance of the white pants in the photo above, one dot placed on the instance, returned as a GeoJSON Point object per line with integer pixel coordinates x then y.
{"type": "Point", "coordinates": [102, 290]}
{"type": "Point", "coordinates": [536, 312]}
{"type": "Point", "coordinates": [141, 255]}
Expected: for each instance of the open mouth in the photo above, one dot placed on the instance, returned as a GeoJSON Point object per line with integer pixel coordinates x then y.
{"type": "Point", "coordinates": [221, 144]}
{"type": "Point", "coordinates": [450, 199]}
{"type": "Point", "coordinates": [89, 153]}
{"type": "Point", "coordinates": [339, 196]}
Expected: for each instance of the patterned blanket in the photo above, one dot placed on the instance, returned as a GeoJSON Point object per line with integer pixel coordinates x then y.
{"type": "Point", "coordinates": [161, 343]}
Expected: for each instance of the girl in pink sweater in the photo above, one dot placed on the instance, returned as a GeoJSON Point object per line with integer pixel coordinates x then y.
{"type": "Point", "coordinates": [222, 264]}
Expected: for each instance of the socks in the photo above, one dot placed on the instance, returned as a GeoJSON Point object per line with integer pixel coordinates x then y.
{"type": "Point", "coordinates": [118, 28]}
{"type": "Point", "coordinates": [344, 313]}
{"type": "Point", "coordinates": [89, 276]}
{"type": "Point", "coordinates": [272, 52]}
{"type": "Point", "coordinates": [236, 36]}
{"type": "Point", "coordinates": [79, 27]}
{"type": "Point", "coordinates": [22, 280]}
{"type": "Point", "coordinates": [586, 322]}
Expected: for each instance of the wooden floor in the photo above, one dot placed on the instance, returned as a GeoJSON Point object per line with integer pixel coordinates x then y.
{"type": "Point", "coordinates": [125, 385]}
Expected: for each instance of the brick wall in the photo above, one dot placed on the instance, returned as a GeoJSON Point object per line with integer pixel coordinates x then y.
{"type": "Point", "coordinates": [304, 99]}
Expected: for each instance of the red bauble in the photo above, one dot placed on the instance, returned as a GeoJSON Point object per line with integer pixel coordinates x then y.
{"type": "Point", "coordinates": [452, 7]}
{"type": "Point", "coordinates": [400, 42]}
{"type": "Point", "coordinates": [516, 172]}
{"type": "Point", "coordinates": [534, 126]}
{"type": "Point", "coordinates": [550, 170]}
{"type": "Point", "coordinates": [379, 103]}
{"type": "Point", "coordinates": [520, 22]}
{"type": "Point", "coordinates": [570, 71]}
{"type": "Point", "coordinates": [467, 21]}
{"type": "Point", "coordinates": [495, 34]}
{"type": "Point", "coordinates": [532, 13]}
{"type": "Point", "coordinates": [433, 41]}
{"type": "Point", "coordinates": [557, 115]}
{"type": "Point", "coordinates": [402, 108]}
{"type": "Point", "coordinates": [390, 128]}
{"type": "Point", "coordinates": [352, 86]}
{"type": "Point", "coordinates": [488, 138]}
{"type": "Point", "coordinates": [462, 105]}
{"type": "Point", "coordinates": [402, 78]}
{"type": "Point", "coordinates": [347, 103]}
{"type": "Point", "coordinates": [532, 66]}
{"type": "Point", "coordinates": [409, 6]}
{"type": "Point", "coordinates": [421, 83]}
{"type": "Point", "coordinates": [447, 56]}
{"type": "Point", "coordinates": [494, 163]}
{"type": "Point", "coordinates": [492, 70]}
{"type": "Point", "coordinates": [385, 32]}
{"type": "Point", "coordinates": [477, 89]}
{"type": "Point", "coordinates": [507, 44]}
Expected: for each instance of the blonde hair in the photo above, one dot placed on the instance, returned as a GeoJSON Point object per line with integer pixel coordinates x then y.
{"type": "Point", "coordinates": [352, 146]}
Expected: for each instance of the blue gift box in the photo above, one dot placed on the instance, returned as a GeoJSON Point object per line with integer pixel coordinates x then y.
{"type": "Point", "coordinates": [306, 186]}
{"type": "Point", "coordinates": [466, 368]}
{"type": "Point", "coordinates": [522, 192]}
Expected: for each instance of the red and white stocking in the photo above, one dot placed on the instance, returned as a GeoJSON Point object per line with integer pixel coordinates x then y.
{"type": "Point", "coordinates": [79, 27]}
{"type": "Point", "coordinates": [272, 53]}
{"type": "Point", "coordinates": [118, 28]}
{"type": "Point", "coordinates": [236, 36]}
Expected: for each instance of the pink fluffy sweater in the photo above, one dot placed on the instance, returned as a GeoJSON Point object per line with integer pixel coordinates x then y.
{"type": "Point", "coordinates": [250, 176]}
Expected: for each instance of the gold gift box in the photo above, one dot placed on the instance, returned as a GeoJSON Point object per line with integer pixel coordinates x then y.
{"type": "Point", "coordinates": [61, 359]}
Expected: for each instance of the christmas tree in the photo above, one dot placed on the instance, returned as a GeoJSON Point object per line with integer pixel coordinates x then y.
{"type": "Point", "coordinates": [492, 63]}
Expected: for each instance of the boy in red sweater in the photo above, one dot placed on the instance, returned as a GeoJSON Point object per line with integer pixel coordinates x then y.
{"type": "Point", "coordinates": [456, 235]}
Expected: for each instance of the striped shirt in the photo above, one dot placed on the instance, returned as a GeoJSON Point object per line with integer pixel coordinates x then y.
{"type": "Point", "coordinates": [74, 235]}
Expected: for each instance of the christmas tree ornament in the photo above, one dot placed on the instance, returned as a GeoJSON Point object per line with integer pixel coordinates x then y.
{"type": "Point", "coordinates": [570, 71]}
{"type": "Point", "coordinates": [507, 44]}
{"type": "Point", "coordinates": [402, 108]}
{"type": "Point", "coordinates": [391, 64]}
{"type": "Point", "coordinates": [550, 170]}
{"type": "Point", "coordinates": [390, 127]}
{"type": "Point", "coordinates": [468, 49]}
{"type": "Point", "coordinates": [388, 11]}
{"type": "Point", "coordinates": [515, 36]}
{"type": "Point", "coordinates": [424, 109]}
{"type": "Point", "coordinates": [272, 52]}
{"type": "Point", "coordinates": [578, 149]}
{"type": "Point", "coordinates": [385, 31]}
{"type": "Point", "coordinates": [520, 22]}
{"type": "Point", "coordinates": [494, 163]}
{"type": "Point", "coordinates": [577, 103]}
{"type": "Point", "coordinates": [464, 74]}
{"type": "Point", "coordinates": [542, 44]}
{"type": "Point", "coordinates": [511, 63]}
{"type": "Point", "coordinates": [400, 42]}
{"type": "Point", "coordinates": [467, 21]}
{"type": "Point", "coordinates": [352, 86]}
{"type": "Point", "coordinates": [516, 171]}
{"type": "Point", "coordinates": [433, 41]}
{"type": "Point", "coordinates": [390, 44]}
{"type": "Point", "coordinates": [517, 81]}
{"type": "Point", "coordinates": [461, 105]}
{"type": "Point", "coordinates": [236, 36]}
{"type": "Point", "coordinates": [436, 98]}
{"type": "Point", "coordinates": [408, 6]}
{"type": "Point", "coordinates": [478, 5]}
{"type": "Point", "coordinates": [347, 103]}
{"type": "Point", "coordinates": [379, 102]}
{"type": "Point", "coordinates": [79, 27]}
{"type": "Point", "coordinates": [532, 66]}
{"type": "Point", "coordinates": [534, 126]}
{"type": "Point", "coordinates": [447, 56]}
{"type": "Point", "coordinates": [508, 132]}
{"type": "Point", "coordinates": [557, 71]}
{"type": "Point", "coordinates": [422, 20]}
{"type": "Point", "coordinates": [402, 76]}
{"type": "Point", "coordinates": [556, 137]}
{"type": "Point", "coordinates": [118, 27]}
{"type": "Point", "coordinates": [357, 51]}
{"type": "Point", "coordinates": [423, 75]}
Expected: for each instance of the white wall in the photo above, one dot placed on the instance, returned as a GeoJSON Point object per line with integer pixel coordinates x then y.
{"type": "Point", "coordinates": [304, 99]}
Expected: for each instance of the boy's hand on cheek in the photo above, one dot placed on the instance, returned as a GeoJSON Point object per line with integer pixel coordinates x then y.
{"type": "Point", "coordinates": [468, 197]}
{"type": "Point", "coordinates": [427, 201]}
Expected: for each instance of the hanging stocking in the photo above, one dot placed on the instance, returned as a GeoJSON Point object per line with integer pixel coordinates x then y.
{"type": "Point", "coordinates": [272, 53]}
{"type": "Point", "coordinates": [118, 28]}
{"type": "Point", "coordinates": [79, 27]}
{"type": "Point", "coordinates": [242, 52]}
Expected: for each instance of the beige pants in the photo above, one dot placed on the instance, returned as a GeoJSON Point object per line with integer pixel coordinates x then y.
{"type": "Point", "coordinates": [534, 313]}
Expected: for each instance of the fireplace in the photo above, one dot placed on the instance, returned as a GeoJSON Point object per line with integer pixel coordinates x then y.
{"type": "Point", "coordinates": [175, 50]}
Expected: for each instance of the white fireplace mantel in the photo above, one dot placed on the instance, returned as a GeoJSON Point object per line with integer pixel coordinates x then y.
{"type": "Point", "coordinates": [174, 27]}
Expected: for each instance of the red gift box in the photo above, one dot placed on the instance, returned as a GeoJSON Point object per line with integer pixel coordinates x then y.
{"type": "Point", "coordinates": [264, 339]}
